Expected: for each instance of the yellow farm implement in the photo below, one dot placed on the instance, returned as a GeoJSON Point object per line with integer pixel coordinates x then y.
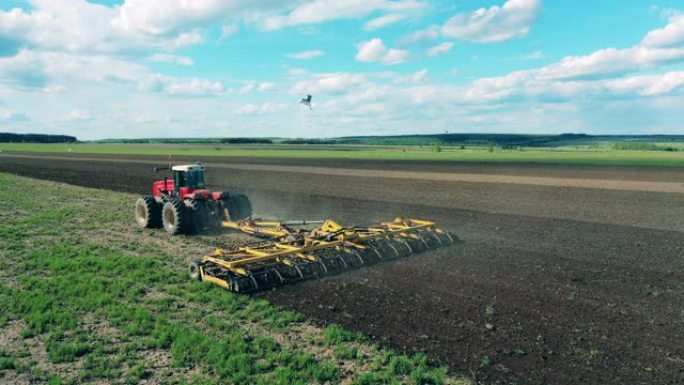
{"type": "Point", "coordinates": [295, 252]}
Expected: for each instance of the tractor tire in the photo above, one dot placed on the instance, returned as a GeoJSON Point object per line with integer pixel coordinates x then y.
{"type": "Point", "coordinates": [194, 271]}
{"type": "Point", "coordinates": [148, 212]}
{"type": "Point", "coordinates": [176, 217]}
{"type": "Point", "coordinates": [239, 207]}
{"type": "Point", "coordinates": [199, 216]}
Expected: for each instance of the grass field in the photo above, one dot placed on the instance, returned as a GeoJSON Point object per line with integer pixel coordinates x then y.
{"type": "Point", "coordinates": [87, 298]}
{"type": "Point", "coordinates": [563, 155]}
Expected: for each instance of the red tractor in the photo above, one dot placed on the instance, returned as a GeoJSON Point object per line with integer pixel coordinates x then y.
{"type": "Point", "coordinates": [185, 206]}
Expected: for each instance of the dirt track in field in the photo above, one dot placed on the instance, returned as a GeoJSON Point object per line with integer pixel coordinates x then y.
{"type": "Point", "coordinates": [552, 284]}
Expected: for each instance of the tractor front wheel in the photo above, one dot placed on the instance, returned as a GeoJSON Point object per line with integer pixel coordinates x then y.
{"type": "Point", "coordinates": [148, 213]}
{"type": "Point", "coordinates": [176, 217]}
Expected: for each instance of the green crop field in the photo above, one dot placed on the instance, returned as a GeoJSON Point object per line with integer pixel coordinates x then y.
{"type": "Point", "coordinates": [602, 155]}
{"type": "Point", "coordinates": [88, 298]}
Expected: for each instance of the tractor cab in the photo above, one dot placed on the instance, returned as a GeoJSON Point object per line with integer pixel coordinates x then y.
{"type": "Point", "coordinates": [187, 179]}
{"type": "Point", "coordinates": [189, 176]}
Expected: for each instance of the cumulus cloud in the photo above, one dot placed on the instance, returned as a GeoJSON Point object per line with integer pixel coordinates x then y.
{"type": "Point", "coordinates": [305, 55]}
{"type": "Point", "coordinates": [494, 24]}
{"type": "Point", "coordinates": [78, 26]}
{"type": "Point", "coordinates": [440, 48]}
{"type": "Point", "coordinates": [672, 35]}
{"type": "Point", "coordinates": [594, 72]}
{"type": "Point", "coordinates": [374, 50]}
{"type": "Point", "coordinates": [173, 59]}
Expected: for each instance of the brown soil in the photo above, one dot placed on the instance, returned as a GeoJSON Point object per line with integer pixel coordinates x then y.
{"type": "Point", "coordinates": [552, 284]}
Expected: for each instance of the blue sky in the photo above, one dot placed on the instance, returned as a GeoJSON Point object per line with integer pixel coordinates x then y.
{"type": "Point", "coordinates": [175, 68]}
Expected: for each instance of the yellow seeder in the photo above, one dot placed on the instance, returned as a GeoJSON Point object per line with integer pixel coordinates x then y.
{"type": "Point", "coordinates": [296, 252]}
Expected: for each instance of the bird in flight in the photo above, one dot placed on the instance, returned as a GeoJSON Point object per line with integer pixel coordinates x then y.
{"type": "Point", "coordinates": [306, 101]}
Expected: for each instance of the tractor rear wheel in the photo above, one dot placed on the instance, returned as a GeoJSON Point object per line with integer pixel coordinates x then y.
{"type": "Point", "coordinates": [239, 207]}
{"type": "Point", "coordinates": [176, 217]}
{"type": "Point", "coordinates": [148, 212]}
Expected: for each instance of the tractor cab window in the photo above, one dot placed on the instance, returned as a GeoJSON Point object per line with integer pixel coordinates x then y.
{"type": "Point", "coordinates": [195, 179]}
{"type": "Point", "coordinates": [179, 179]}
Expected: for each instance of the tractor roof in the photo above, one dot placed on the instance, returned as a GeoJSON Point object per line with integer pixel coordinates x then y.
{"type": "Point", "coordinates": [188, 167]}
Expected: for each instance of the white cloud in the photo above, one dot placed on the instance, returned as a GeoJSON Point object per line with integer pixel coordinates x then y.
{"type": "Point", "coordinates": [384, 21]}
{"type": "Point", "coordinates": [375, 51]}
{"type": "Point", "coordinates": [14, 25]}
{"type": "Point", "coordinates": [173, 59]}
{"type": "Point", "coordinates": [196, 87]}
{"type": "Point", "coordinates": [417, 77]}
{"type": "Point", "coordinates": [440, 48]}
{"type": "Point", "coordinates": [260, 109]}
{"type": "Point", "coordinates": [494, 24]}
{"type": "Point", "coordinates": [166, 17]}
{"type": "Point", "coordinates": [671, 35]}
{"type": "Point", "coordinates": [334, 84]}
{"type": "Point", "coordinates": [318, 11]}
{"type": "Point", "coordinates": [247, 89]}
{"type": "Point", "coordinates": [248, 109]}
{"type": "Point", "coordinates": [30, 69]}
{"type": "Point", "coordinates": [575, 74]}
{"type": "Point", "coordinates": [186, 39]}
{"type": "Point", "coordinates": [304, 55]}
{"type": "Point", "coordinates": [78, 26]}
{"type": "Point", "coordinates": [266, 87]}
{"type": "Point", "coordinates": [73, 47]}
{"type": "Point", "coordinates": [647, 85]}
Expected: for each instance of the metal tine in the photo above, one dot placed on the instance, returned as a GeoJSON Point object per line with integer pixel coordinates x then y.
{"type": "Point", "coordinates": [370, 254]}
{"type": "Point", "coordinates": [333, 262]}
{"type": "Point", "coordinates": [405, 246]}
{"type": "Point", "coordinates": [414, 245]}
{"type": "Point", "coordinates": [429, 238]}
{"type": "Point", "coordinates": [243, 284]}
{"type": "Point", "coordinates": [452, 237]}
{"type": "Point", "coordinates": [351, 259]}
{"type": "Point", "coordinates": [387, 250]}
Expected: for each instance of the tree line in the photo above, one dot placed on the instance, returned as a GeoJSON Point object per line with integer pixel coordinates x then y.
{"type": "Point", "coordinates": [7, 137]}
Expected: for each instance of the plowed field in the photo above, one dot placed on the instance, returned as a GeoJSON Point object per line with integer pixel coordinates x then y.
{"type": "Point", "coordinates": [579, 279]}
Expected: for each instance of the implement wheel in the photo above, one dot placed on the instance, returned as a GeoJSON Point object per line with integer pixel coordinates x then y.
{"type": "Point", "coordinates": [148, 213]}
{"type": "Point", "coordinates": [176, 217]}
{"type": "Point", "coordinates": [194, 270]}
{"type": "Point", "coordinates": [239, 207]}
